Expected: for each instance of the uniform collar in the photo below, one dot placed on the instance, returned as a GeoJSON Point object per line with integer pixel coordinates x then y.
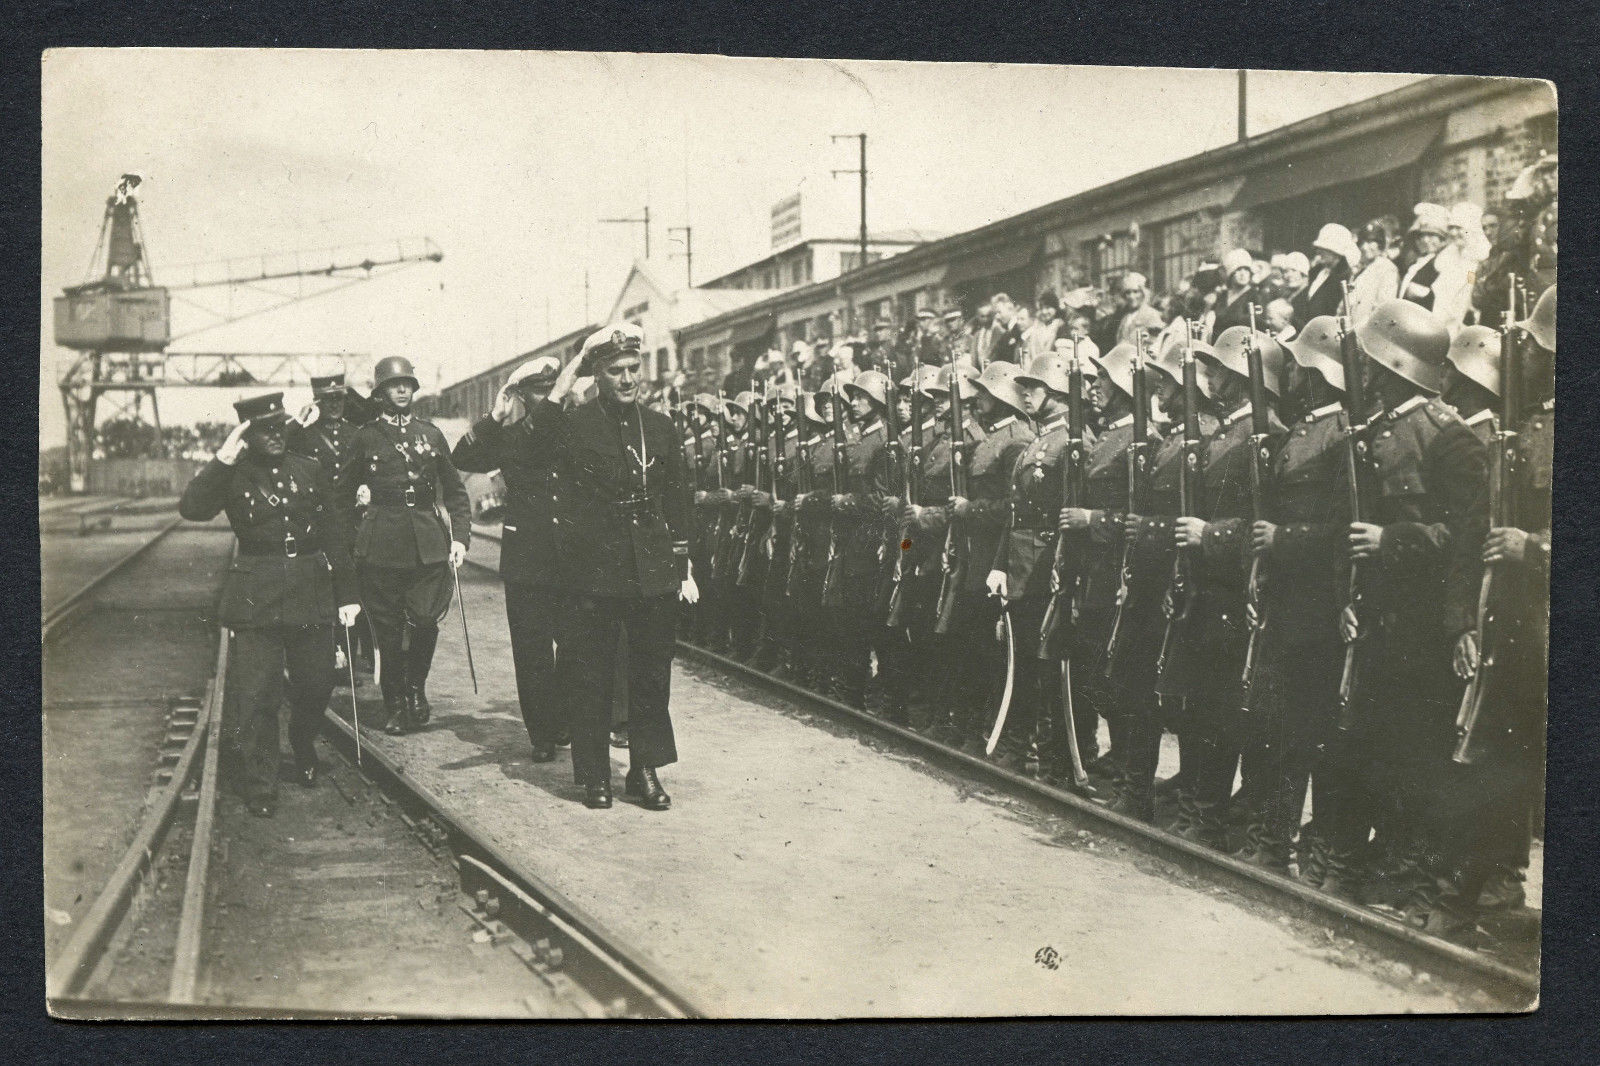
{"type": "Point", "coordinates": [1125, 420]}
{"type": "Point", "coordinates": [929, 424]}
{"type": "Point", "coordinates": [1240, 413]}
{"type": "Point", "coordinates": [1407, 407]}
{"type": "Point", "coordinates": [876, 427]}
{"type": "Point", "coordinates": [1003, 423]}
{"type": "Point", "coordinates": [399, 419]}
{"type": "Point", "coordinates": [1324, 411]}
{"type": "Point", "coordinates": [1482, 416]}
{"type": "Point", "coordinates": [1053, 425]}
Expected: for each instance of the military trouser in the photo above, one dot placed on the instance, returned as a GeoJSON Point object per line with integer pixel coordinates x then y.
{"type": "Point", "coordinates": [594, 626]}
{"type": "Point", "coordinates": [534, 615]}
{"type": "Point", "coordinates": [1293, 707]}
{"type": "Point", "coordinates": [405, 605]}
{"type": "Point", "coordinates": [1033, 724]}
{"type": "Point", "coordinates": [971, 667]}
{"type": "Point", "coordinates": [258, 660]}
{"type": "Point", "coordinates": [1216, 723]}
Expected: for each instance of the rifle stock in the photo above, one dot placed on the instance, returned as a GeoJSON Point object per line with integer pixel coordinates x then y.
{"type": "Point", "coordinates": [1138, 477]}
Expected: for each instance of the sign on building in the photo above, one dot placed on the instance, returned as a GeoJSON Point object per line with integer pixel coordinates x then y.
{"type": "Point", "coordinates": [786, 222]}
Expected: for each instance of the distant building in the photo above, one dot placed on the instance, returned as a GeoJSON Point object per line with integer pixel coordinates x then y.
{"type": "Point", "coordinates": [818, 259]}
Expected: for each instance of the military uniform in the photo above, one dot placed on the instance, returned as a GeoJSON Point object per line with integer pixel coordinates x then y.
{"type": "Point", "coordinates": [814, 526]}
{"type": "Point", "coordinates": [858, 527]}
{"type": "Point", "coordinates": [402, 548]}
{"type": "Point", "coordinates": [535, 576]}
{"type": "Point", "coordinates": [291, 572]}
{"type": "Point", "coordinates": [777, 516]}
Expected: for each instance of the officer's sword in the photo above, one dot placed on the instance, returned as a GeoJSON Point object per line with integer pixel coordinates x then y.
{"type": "Point", "coordinates": [1011, 677]}
{"type": "Point", "coordinates": [355, 714]}
{"type": "Point", "coordinates": [465, 636]}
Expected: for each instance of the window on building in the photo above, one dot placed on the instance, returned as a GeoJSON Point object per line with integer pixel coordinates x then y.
{"type": "Point", "coordinates": [697, 358]}
{"type": "Point", "coordinates": [1109, 257]}
{"type": "Point", "coordinates": [849, 261]}
{"type": "Point", "coordinates": [906, 306]}
{"type": "Point", "coordinates": [805, 266]}
{"type": "Point", "coordinates": [1179, 247]}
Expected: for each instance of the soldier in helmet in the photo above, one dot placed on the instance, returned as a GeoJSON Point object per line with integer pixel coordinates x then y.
{"type": "Point", "coordinates": [1419, 556]}
{"type": "Point", "coordinates": [625, 543]}
{"type": "Point", "coordinates": [1219, 538]}
{"type": "Point", "coordinates": [523, 449]}
{"type": "Point", "coordinates": [813, 527]}
{"type": "Point", "coordinates": [291, 581]}
{"type": "Point", "coordinates": [775, 509]}
{"type": "Point", "coordinates": [705, 422]}
{"type": "Point", "coordinates": [414, 530]}
{"type": "Point", "coordinates": [1472, 380]}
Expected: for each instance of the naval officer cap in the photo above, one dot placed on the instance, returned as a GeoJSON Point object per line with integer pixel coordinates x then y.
{"type": "Point", "coordinates": [540, 372]}
{"type": "Point", "coordinates": [608, 342]}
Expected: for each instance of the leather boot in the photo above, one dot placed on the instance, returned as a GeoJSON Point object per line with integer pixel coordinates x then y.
{"type": "Point", "coordinates": [392, 680]}
{"type": "Point", "coordinates": [423, 641]}
{"type": "Point", "coordinates": [597, 795]}
{"type": "Point", "coordinates": [1133, 802]}
{"type": "Point", "coordinates": [642, 782]}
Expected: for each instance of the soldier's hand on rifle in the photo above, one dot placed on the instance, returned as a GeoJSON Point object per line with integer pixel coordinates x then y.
{"type": "Point", "coordinates": [782, 506]}
{"type": "Point", "coordinates": [996, 583]}
{"type": "Point", "coordinates": [760, 499]}
{"type": "Point", "coordinates": [891, 507]}
{"type": "Point", "coordinates": [508, 407]}
{"type": "Point", "coordinates": [348, 614]}
{"type": "Point", "coordinates": [1505, 544]}
{"type": "Point", "coordinates": [910, 514]}
{"type": "Point", "coordinates": [959, 506]}
{"type": "Point", "coordinates": [1076, 518]}
{"type": "Point", "coordinates": [1131, 524]}
{"type": "Point", "coordinates": [1465, 660]}
{"type": "Point", "coordinates": [1262, 534]}
{"type": "Point", "coordinates": [1189, 532]}
{"type": "Point", "coordinates": [841, 501]}
{"type": "Point", "coordinates": [700, 496]}
{"type": "Point", "coordinates": [234, 446]}
{"type": "Point", "coordinates": [1366, 540]}
{"type": "Point", "coordinates": [722, 496]}
{"type": "Point", "coordinates": [458, 553]}
{"type": "Point", "coordinates": [745, 494]}
{"type": "Point", "coordinates": [363, 495]}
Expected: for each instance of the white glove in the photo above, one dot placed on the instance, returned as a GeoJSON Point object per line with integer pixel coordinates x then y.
{"type": "Point", "coordinates": [309, 415]}
{"type": "Point", "coordinates": [458, 553]}
{"type": "Point", "coordinates": [508, 408]}
{"type": "Point", "coordinates": [996, 583]}
{"type": "Point", "coordinates": [234, 446]}
{"type": "Point", "coordinates": [688, 591]}
{"type": "Point", "coordinates": [348, 613]}
{"type": "Point", "coordinates": [363, 495]}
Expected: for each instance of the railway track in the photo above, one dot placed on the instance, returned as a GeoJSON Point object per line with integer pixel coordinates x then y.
{"type": "Point", "coordinates": [1514, 985]}
{"type": "Point", "coordinates": [58, 617]}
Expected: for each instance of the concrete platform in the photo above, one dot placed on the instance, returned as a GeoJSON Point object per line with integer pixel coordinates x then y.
{"type": "Point", "coordinates": [804, 873]}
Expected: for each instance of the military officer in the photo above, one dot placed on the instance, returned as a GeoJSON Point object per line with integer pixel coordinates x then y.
{"type": "Point", "coordinates": [291, 581]}
{"type": "Point", "coordinates": [625, 544]}
{"type": "Point", "coordinates": [407, 543]}
{"type": "Point", "coordinates": [1219, 538]}
{"type": "Point", "coordinates": [1419, 556]}
{"type": "Point", "coordinates": [523, 449]}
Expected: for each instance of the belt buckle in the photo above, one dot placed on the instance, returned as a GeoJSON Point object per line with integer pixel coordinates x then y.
{"type": "Point", "coordinates": [411, 496]}
{"type": "Point", "coordinates": [290, 547]}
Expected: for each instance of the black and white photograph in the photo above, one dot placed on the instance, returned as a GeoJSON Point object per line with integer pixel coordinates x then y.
{"type": "Point", "coordinates": [607, 535]}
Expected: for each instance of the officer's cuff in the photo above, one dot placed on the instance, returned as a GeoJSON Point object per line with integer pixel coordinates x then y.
{"type": "Point", "coordinates": [680, 553]}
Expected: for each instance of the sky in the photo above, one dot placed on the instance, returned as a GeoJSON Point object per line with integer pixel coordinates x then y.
{"type": "Point", "coordinates": [507, 160]}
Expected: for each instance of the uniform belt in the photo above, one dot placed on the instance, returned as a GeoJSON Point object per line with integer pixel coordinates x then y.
{"type": "Point", "coordinates": [1036, 527]}
{"type": "Point", "coordinates": [411, 496]}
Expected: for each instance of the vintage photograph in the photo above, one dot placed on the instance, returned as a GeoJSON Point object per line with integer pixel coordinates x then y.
{"type": "Point", "coordinates": [557, 535]}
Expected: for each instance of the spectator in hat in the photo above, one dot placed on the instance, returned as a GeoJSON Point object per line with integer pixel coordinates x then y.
{"type": "Point", "coordinates": [1336, 258]}
{"type": "Point", "coordinates": [1376, 277]}
{"type": "Point", "coordinates": [1237, 294]}
{"type": "Point", "coordinates": [1421, 283]}
{"type": "Point", "coordinates": [1466, 248]}
{"type": "Point", "coordinates": [1295, 270]}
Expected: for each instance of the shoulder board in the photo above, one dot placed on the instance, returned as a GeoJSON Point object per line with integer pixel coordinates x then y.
{"type": "Point", "coordinates": [1442, 413]}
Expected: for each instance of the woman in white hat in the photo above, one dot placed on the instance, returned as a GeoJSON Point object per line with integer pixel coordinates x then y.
{"type": "Point", "coordinates": [1238, 292]}
{"type": "Point", "coordinates": [1336, 260]}
{"type": "Point", "coordinates": [1458, 263]}
{"type": "Point", "coordinates": [1376, 278]}
{"type": "Point", "coordinates": [1428, 235]}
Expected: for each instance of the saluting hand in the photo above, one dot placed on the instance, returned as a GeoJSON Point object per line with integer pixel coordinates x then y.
{"type": "Point", "coordinates": [508, 407]}
{"type": "Point", "coordinates": [234, 446]}
{"type": "Point", "coordinates": [1366, 540]}
{"type": "Point", "coordinates": [1505, 544]}
{"type": "Point", "coordinates": [1262, 536]}
{"type": "Point", "coordinates": [1189, 532]}
{"type": "Point", "coordinates": [309, 414]}
{"type": "Point", "coordinates": [348, 614]}
{"type": "Point", "coordinates": [458, 553]}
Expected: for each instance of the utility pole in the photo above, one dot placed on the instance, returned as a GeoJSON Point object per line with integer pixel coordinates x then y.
{"type": "Point", "coordinates": [688, 251]}
{"type": "Point", "coordinates": [1242, 112]}
{"type": "Point", "coordinates": [586, 319]}
{"type": "Point", "coordinates": [643, 220]}
{"type": "Point", "coordinates": [862, 171]}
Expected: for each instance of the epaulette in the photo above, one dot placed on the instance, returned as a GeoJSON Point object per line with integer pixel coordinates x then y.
{"type": "Point", "coordinates": [1442, 413]}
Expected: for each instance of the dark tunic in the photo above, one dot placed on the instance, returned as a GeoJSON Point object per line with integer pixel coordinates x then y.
{"type": "Point", "coordinates": [405, 463]}
{"type": "Point", "coordinates": [525, 453]}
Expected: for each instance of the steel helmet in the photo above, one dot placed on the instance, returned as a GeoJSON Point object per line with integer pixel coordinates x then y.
{"type": "Point", "coordinates": [1541, 325]}
{"type": "Point", "coordinates": [1317, 348]}
{"type": "Point", "coordinates": [1476, 354]}
{"type": "Point", "coordinates": [707, 403]}
{"type": "Point", "coordinates": [999, 379]}
{"type": "Point", "coordinates": [808, 408]}
{"type": "Point", "coordinates": [965, 371]}
{"type": "Point", "coordinates": [1049, 370]}
{"type": "Point", "coordinates": [393, 368]}
{"type": "Point", "coordinates": [1229, 354]}
{"type": "Point", "coordinates": [1117, 366]}
{"type": "Point", "coordinates": [873, 384]}
{"type": "Point", "coordinates": [1408, 340]}
{"type": "Point", "coordinates": [925, 379]}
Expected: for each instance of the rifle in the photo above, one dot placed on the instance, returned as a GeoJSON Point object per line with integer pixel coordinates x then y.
{"type": "Point", "coordinates": [691, 442]}
{"type": "Point", "coordinates": [1138, 483]}
{"type": "Point", "coordinates": [1358, 474]}
{"type": "Point", "coordinates": [895, 472]}
{"type": "Point", "coordinates": [727, 527]}
{"type": "Point", "coordinates": [834, 574]}
{"type": "Point", "coordinates": [913, 494]}
{"type": "Point", "coordinates": [1177, 605]}
{"type": "Point", "coordinates": [760, 447]}
{"type": "Point", "coordinates": [803, 484]}
{"type": "Point", "coordinates": [1503, 459]}
{"type": "Point", "coordinates": [1063, 587]}
{"type": "Point", "coordinates": [1255, 609]}
{"type": "Point", "coordinates": [954, 558]}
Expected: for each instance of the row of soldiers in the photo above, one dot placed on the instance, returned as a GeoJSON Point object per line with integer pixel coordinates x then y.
{"type": "Point", "coordinates": [1298, 559]}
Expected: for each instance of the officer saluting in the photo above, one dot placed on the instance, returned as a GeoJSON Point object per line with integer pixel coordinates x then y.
{"type": "Point", "coordinates": [626, 522]}
{"type": "Point", "coordinates": [293, 567]}
{"type": "Point", "coordinates": [523, 449]}
{"type": "Point", "coordinates": [398, 471]}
